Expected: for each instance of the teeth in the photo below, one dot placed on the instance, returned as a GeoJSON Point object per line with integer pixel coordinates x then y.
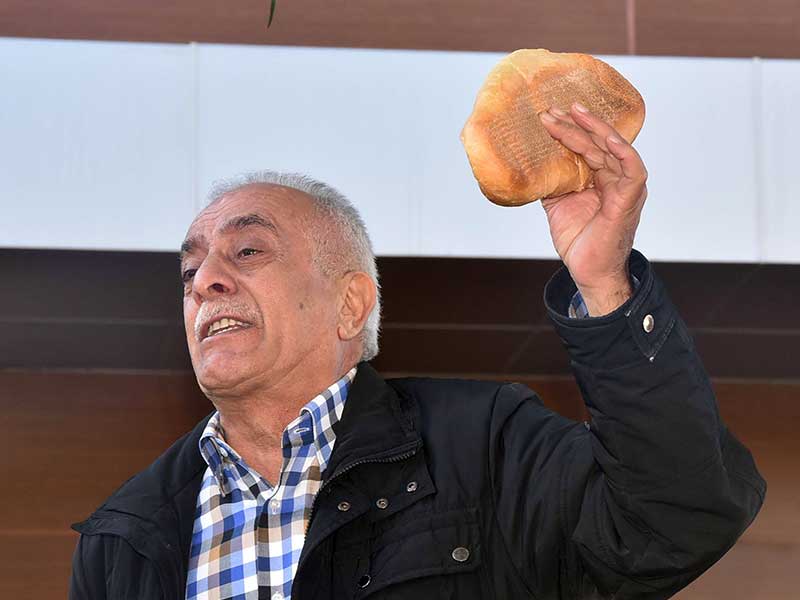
{"type": "Point", "coordinates": [224, 324]}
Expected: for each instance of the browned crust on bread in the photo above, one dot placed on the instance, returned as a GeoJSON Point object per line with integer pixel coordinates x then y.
{"type": "Point", "coordinates": [513, 157]}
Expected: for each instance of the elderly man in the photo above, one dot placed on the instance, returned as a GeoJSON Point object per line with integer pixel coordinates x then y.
{"type": "Point", "coordinates": [317, 479]}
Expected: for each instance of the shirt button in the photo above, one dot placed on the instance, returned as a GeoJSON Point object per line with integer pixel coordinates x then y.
{"type": "Point", "coordinates": [277, 596]}
{"type": "Point", "coordinates": [411, 487]}
{"type": "Point", "coordinates": [344, 506]}
{"type": "Point", "coordinates": [382, 503]}
{"type": "Point", "coordinates": [648, 323]}
{"type": "Point", "coordinates": [275, 507]}
{"type": "Point", "coordinates": [460, 554]}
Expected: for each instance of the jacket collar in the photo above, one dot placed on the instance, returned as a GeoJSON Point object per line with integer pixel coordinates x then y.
{"type": "Point", "coordinates": [376, 423]}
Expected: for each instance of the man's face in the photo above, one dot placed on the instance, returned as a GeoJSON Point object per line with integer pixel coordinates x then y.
{"type": "Point", "coordinates": [255, 307]}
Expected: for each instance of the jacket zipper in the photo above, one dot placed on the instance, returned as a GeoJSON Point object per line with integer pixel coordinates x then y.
{"type": "Point", "coordinates": [391, 459]}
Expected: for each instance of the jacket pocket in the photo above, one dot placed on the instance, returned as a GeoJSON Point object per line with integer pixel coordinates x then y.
{"type": "Point", "coordinates": [434, 555]}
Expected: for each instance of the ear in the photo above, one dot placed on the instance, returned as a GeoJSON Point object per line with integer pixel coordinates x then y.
{"type": "Point", "coordinates": [358, 301]}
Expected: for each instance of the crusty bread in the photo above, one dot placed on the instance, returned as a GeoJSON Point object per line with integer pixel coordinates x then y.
{"type": "Point", "coordinates": [513, 157]}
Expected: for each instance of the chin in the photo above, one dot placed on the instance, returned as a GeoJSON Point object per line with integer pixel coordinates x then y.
{"type": "Point", "coordinates": [220, 374]}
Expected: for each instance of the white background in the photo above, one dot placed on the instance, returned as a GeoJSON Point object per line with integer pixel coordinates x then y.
{"type": "Point", "coordinates": [108, 145]}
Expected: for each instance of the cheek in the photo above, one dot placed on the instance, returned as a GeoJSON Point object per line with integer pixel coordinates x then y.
{"type": "Point", "coordinates": [189, 315]}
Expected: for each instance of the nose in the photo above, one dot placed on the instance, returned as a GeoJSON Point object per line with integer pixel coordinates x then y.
{"type": "Point", "coordinates": [211, 279]}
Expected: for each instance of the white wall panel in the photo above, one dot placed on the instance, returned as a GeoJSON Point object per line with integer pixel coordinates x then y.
{"type": "Point", "coordinates": [113, 145]}
{"type": "Point", "coordinates": [780, 126]}
{"type": "Point", "coordinates": [384, 125]}
{"type": "Point", "coordinates": [346, 117]}
{"type": "Point", "coordinates": [699, 145]}
{"type": "Point", "coordinates": [455, 218]}
{"type": "Point", "coordinates": [95, 144]}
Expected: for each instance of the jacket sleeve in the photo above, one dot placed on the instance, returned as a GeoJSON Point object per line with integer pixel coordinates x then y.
{"type": "Point", "coordinates": [106, 566]}
{"type": "Point", "coordinates": [652, 492]}
{"type": "Point", "coordinates": [88, 571]}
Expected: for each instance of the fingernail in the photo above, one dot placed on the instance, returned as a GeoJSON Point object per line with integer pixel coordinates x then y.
{"type": "Point", "coordinates": [547, 117]}
{"type": "Point", "coordinates": [557, 111]}
{"type": "Point", "coordinates": [580, 107]}
{"type": "Point", "coordinates": [614, 139]}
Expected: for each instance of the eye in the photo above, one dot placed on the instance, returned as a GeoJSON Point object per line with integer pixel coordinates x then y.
{"type": "Point", "coordinates": [187, 275]}
{"type": "Point", "coordinates": [248, 252]}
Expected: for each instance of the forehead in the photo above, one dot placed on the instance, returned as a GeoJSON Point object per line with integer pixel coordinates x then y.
{"type": "Point", "coordinates": [287, 211]}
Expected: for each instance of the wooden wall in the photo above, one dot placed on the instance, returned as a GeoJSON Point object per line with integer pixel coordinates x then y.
{"type": "Point", "coordinates": [769, 28]}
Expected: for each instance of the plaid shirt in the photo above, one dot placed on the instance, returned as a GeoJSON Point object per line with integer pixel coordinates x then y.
{"type": "Point", "coordinates": [248, 534]}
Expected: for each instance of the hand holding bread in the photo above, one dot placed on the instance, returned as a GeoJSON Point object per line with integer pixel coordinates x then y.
{"type": "Point", "coordinates": [593, 229]}
{"type": "Point", "coordinates": [531, 136]}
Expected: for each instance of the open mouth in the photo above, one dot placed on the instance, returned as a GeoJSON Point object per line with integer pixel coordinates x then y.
{"type": "Point", "coordinates": [225, 325]}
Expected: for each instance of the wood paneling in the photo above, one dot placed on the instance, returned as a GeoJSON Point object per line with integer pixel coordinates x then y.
{"type": "Point", "coordinates": [769, 28]}
{"type": "Point", "coordinates": [749, 571]}
{"type": "Point", "coordinates": [688, 27]}
{"type": "Point", "coordinates": [597, 26]}
{"type": "Point", "coordinates": [35, 564]}
{"type": "Point", "coordinates": [80, 436]}
{"type": "Point", "coordinates": [121, 310]}
{"type": "Point", "coordinates": [766, 418]}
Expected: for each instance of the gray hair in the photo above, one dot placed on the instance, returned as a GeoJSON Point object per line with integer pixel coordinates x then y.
{"type": "Point", "coordinates": [339, 241]}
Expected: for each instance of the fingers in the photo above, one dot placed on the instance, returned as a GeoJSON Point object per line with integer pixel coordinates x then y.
{"type": "Point", "coordinates": [564, 129]}
{"type": "Point", "coordinates": [632, 166]}
{"type": "Point", "coordinates": [607, 138]}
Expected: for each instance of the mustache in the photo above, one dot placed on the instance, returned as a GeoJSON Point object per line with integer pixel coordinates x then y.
{"type": "Point", "coordinates": [210, 312]}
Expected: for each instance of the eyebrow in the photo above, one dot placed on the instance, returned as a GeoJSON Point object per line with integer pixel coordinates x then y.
{"type": "Point", "coordinates": [237, 223]}
{"type": "Point", "coordinates": [244, 221]}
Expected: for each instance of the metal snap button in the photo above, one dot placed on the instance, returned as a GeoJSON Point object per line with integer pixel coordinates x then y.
{"type": "Point", "coordinates": [364, 581]}
{"type": "Point", "coordinates": [344, 506]}
{"type": "Point", "coordinates": [648, 323]}
{"type": "Point", "coordinates": [382, 503]}
{"type": "Point", "coordinates": [460, 554]}
{"type": "Point", "coordinates": [411, 487]}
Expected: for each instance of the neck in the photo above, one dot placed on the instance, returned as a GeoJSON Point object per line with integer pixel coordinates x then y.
{"type": "Point", "coordinates": [254, 423]}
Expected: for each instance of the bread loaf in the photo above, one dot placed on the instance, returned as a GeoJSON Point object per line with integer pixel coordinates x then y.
{"type": "Point", "coordinates": [513, 157]}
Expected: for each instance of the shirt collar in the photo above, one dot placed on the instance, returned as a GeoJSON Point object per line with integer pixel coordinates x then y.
{"type": "Point", "coordinates": [324, 411]}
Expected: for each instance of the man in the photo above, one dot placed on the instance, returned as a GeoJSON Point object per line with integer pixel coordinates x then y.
{"type": "Point", "coordinates": [318, 479]}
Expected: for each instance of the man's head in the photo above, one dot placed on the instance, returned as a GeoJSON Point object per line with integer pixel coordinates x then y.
{"type": "Point", "coordinates": [279, 281]}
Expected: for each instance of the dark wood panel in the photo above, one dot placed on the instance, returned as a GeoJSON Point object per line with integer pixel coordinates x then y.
{"type": "Point", "coordinates": [460, 290]}
{"type": "Point", "coordinates": [749, 571]}
{"type": "Point", "coordinates": [98, 344]}
{"type": "Point", "coordinates": [766, 418]}
{"type": "Point", "coordinates": [595, 26]}
{"type": "Point", "coordinates": [430, 350]}
{"type": "Point", "coordinates": [121, 310]}
{"type": "Point", "coordinates": [80, 436]}
{"type": "Point", "coordinates": [35, 565]}
{"type": "Point", "coordinates": [767, 354]}
{"type": "Point", "coordinates": [80, 285]}
{"type": "Point", "coordinates": [769, 28]}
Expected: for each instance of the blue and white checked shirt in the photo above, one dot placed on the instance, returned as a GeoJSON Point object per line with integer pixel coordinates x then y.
{"type": "Point", "coordinates": [248, 534]}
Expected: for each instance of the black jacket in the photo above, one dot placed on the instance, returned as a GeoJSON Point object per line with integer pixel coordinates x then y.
{"type": "Point", "coordinates": [490, 494]}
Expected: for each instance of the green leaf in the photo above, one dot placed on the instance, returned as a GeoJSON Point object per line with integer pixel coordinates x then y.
{"type": "Point", "coordinates": [271, 12]}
